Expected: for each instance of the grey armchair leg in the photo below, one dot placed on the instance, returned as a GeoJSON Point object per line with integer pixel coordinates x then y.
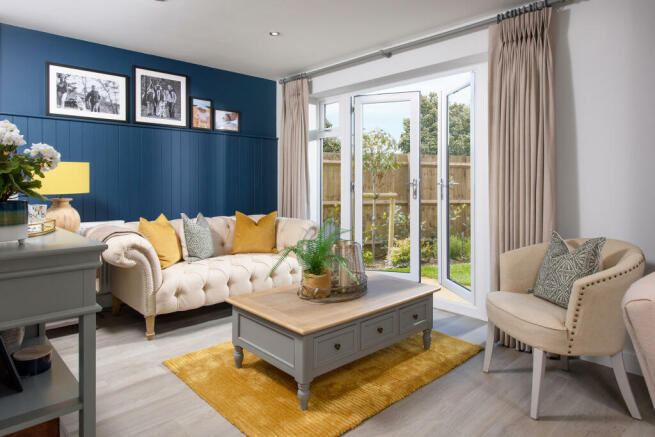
{"type": "Point", "coordinates": [538, 371]}
{"type": "Point", "coordinates": [489, 346]}
{"type": "Point", "coordinates": [624, 385]}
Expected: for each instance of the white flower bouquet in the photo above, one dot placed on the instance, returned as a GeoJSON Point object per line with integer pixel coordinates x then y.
{"type": "Point", "coordinates": [17, 170]}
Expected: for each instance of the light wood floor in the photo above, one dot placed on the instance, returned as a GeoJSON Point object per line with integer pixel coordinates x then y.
{"type": "Point", "coordinates": [137, 395]}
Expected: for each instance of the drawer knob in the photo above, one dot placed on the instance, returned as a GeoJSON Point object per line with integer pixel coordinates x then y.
{"type": "Point", "coordinates": [337, 346]}
{"type": "Point", "coordinates": [415, 316]}
{"type": "Point", "coordinates": [380, 330]}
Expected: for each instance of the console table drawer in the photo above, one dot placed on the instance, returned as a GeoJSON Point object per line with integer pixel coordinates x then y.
{"type": "Point", "coordinates": [414, 316]}
{"type": "Point", "coordinates": [378, 329]}
{"type": "Point", "coordinates": [334, 345]}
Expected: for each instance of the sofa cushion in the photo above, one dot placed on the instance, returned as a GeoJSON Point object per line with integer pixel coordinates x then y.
{"type": "Point", "coordinates": [163, 238]}
{"type": "Point", "coordinates": [254, 236]}
{"type": "Point", "coordinates": [186, 286]}
{"type": "Point", "coordinates": [561, 268]}
{"type": "Point", "coordinates": [525, 316]}
{"type": "Point", "coordinates": [198, 238]}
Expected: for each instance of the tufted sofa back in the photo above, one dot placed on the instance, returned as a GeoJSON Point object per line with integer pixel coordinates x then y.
{"type": "Point", "coordinates": [288, 231]}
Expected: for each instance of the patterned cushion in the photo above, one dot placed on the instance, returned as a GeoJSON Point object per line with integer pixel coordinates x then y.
{"type": "Point", "coordinates": [198, 238]}
{"type": "Point", "coordinates": [562, 267]}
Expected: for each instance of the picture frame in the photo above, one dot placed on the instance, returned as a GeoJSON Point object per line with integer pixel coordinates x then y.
{"type": "Point", "coordinates": [201, 113]}
{"type": "Point", "coordinates": [160, 98]}
{"type": "Point", "coordinates": [9, 376]}
{"type": "Point", "coordinates": [79, 92]}
{"type": "Point", "coordinates": [227, 120]}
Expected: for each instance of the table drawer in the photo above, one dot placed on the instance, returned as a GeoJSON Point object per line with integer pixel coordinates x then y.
{"type": "Point", "coordinates": [377, 329]}
{"type": "Point", "coordinates": [414, 316]}
{"type": "Point", "coordinates": [334, 345]}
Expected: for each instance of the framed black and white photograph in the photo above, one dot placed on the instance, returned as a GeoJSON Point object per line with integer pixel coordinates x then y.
{"type": "Point", "coordinates": [160, 98]}
{"type": "Point", "coordinates": [227, 120]}
{"type": "Point", "coordinates": [83, 93]}
{"type": "Point", "coordinates": [201, 113]}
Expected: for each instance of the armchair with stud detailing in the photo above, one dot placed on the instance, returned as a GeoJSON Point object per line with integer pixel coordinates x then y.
{"type": "Point", "coordinates": [592, 324]}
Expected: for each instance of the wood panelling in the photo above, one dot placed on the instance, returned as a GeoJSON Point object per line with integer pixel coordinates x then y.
{"type": "Point", "coordinates": [142, 171]}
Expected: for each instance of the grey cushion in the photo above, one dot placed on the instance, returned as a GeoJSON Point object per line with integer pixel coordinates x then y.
{"type": "Point", "coordinates": [561, 267]}
{"type": "Point", "coordinates": [198, 237]}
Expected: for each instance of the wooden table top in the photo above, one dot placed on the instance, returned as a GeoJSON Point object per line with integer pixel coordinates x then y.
{"type": "Point", "coordinates": [283, 307]}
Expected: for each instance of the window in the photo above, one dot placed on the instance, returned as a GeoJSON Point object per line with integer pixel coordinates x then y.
{"type": "Point", "coordinates": [330, 116]}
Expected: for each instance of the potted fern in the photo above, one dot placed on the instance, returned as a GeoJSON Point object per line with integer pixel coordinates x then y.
{"type": "Point", "coordinates": [317, 258]}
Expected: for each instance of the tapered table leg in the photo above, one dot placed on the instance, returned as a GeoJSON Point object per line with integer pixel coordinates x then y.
{"type": "Point", "coordinates": [427, 339]}
{"type": "Point", "coordinates": [303, 395]}
{"type": "Point", "coordinates": [238, 356]}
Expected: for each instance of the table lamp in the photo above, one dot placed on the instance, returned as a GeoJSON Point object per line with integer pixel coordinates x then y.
{"type": "Point", "coordinates": [66, 178]}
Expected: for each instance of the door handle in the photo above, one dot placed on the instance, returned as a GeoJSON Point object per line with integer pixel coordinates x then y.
{"type": "Point", "coordinates": [380, 330]}
{"type": "Point", "coordinates": [414, 184]}
{"type": "Point", "coordinates": [337, 346]}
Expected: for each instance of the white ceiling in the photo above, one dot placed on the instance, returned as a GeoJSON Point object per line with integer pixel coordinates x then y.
{"type": "Point", "coordinates": [233, 35]}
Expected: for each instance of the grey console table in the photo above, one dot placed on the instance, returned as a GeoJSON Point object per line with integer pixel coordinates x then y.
{"type": "Point", "coordinates": [306, 339]}
{"type": "Point", "coordinates": [49, 278]}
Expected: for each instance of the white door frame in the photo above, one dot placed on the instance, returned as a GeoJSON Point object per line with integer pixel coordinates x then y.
{"type": "Point", "coordinates": [414, 97]}
{"type": "Point", "coordinates": [444, 194]}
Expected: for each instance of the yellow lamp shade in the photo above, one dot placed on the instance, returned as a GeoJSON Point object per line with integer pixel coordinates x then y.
{"type": "Point", "coordinates": [67, 178]}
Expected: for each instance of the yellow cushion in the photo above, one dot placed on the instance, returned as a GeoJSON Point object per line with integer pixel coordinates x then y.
{"type": "Point", "coordinates": [163, 238]}
{"type": "Point", "coordinates": [251, 237]}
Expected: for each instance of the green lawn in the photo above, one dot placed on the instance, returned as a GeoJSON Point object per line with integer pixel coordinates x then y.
{"type": "Point", "coordinates": [460, 273]}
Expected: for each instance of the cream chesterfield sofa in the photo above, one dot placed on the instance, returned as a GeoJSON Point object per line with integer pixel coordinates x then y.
{"type": "Point", "coordinates": [137, 279]}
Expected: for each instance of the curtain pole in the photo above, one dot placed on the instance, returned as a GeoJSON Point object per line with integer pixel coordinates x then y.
{"type": "Point", "coordinates": [388, 52]}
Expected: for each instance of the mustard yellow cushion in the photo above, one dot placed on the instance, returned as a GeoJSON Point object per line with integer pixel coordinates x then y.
{"type": "Point", "coordinates": [163, 238]}
{"type": "Point", "coordinates": [251, 237]}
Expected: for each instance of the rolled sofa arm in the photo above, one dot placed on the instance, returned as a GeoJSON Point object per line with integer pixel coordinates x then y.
{"type": "Point", "coordinates": [519, 268]}
{"type": "Point", "coordinates": [130, 250]}
{"type": "Point", "coordinates": [289, 231]}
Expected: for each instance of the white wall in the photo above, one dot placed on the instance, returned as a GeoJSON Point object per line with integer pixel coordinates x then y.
{"type": "Point", "coordinates": [605, 103]}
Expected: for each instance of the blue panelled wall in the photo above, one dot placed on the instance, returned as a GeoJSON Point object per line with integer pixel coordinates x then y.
{"type": "Point", "coordinates": [141, 171]}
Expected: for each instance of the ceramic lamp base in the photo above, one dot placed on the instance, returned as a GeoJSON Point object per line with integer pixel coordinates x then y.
{"type": "Point", "coordinates": [64, 214]}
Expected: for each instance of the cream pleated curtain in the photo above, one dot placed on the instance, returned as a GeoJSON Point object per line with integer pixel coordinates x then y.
{"type": "Point", "coordinates": [521, 137]}
{"type": "Point", "coordinates": [294, 186]}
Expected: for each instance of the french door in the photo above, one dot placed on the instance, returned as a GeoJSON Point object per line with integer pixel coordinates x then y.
{"type": "Point", "coordinates": [455, 191]}
{"type": "Point", "coordinates": [386, 183]}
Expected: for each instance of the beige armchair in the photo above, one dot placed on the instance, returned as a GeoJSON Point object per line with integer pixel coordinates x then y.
{"type": "Point", "coordinates": [592, 325]}
{"type": "Point", "coordinates": [639, 316]}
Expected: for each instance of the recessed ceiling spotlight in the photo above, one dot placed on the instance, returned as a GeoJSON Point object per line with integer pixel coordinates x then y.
{"type": "Point", "coordinates": [274, 33]}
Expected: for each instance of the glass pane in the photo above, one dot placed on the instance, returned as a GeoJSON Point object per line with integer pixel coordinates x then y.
{"type": "Point", "coordinates": [331, 183]}
{"type": "Point", "coordinates": [385, 158]}
{"type": "Point", "coordinates": [331, 111]}
{"type": "Point", "coordinates": [459, 192]}
{"type": "Point", "coordinates": [312, 116]}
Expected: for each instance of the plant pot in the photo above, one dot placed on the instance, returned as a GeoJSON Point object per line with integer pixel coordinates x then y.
{"type": "Point", "coordinates": [13, 220]}
{"type": "Point", "coordinates": [317, 286]}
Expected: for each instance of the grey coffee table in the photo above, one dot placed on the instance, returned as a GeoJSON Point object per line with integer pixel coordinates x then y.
{"type": "Point", "coordinates": [306, 339]}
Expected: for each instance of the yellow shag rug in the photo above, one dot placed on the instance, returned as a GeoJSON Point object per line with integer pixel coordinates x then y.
{"type": "Point", "coordinates": [261, 400]}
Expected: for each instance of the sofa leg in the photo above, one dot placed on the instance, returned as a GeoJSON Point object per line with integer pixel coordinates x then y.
{"type": "Point", "coordinates": [538, 371]}
{"type": "Point", "coordinates": [115, 306]}
{"type": "Point", "coordinates": [150, 327]}
{"type": "Point", "coordinates": [624, 385]}
{"type": "Point", "coordinates": [489, 346]}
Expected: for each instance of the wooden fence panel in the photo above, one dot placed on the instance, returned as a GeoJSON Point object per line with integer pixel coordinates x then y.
{"type": "Point", "coordinates": [396, 182]}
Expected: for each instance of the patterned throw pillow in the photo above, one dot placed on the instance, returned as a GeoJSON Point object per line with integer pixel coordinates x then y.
{"type": "Point", "coordinates": [560, 269]}
{"type": "Point", "coordinates": [198, 238]}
